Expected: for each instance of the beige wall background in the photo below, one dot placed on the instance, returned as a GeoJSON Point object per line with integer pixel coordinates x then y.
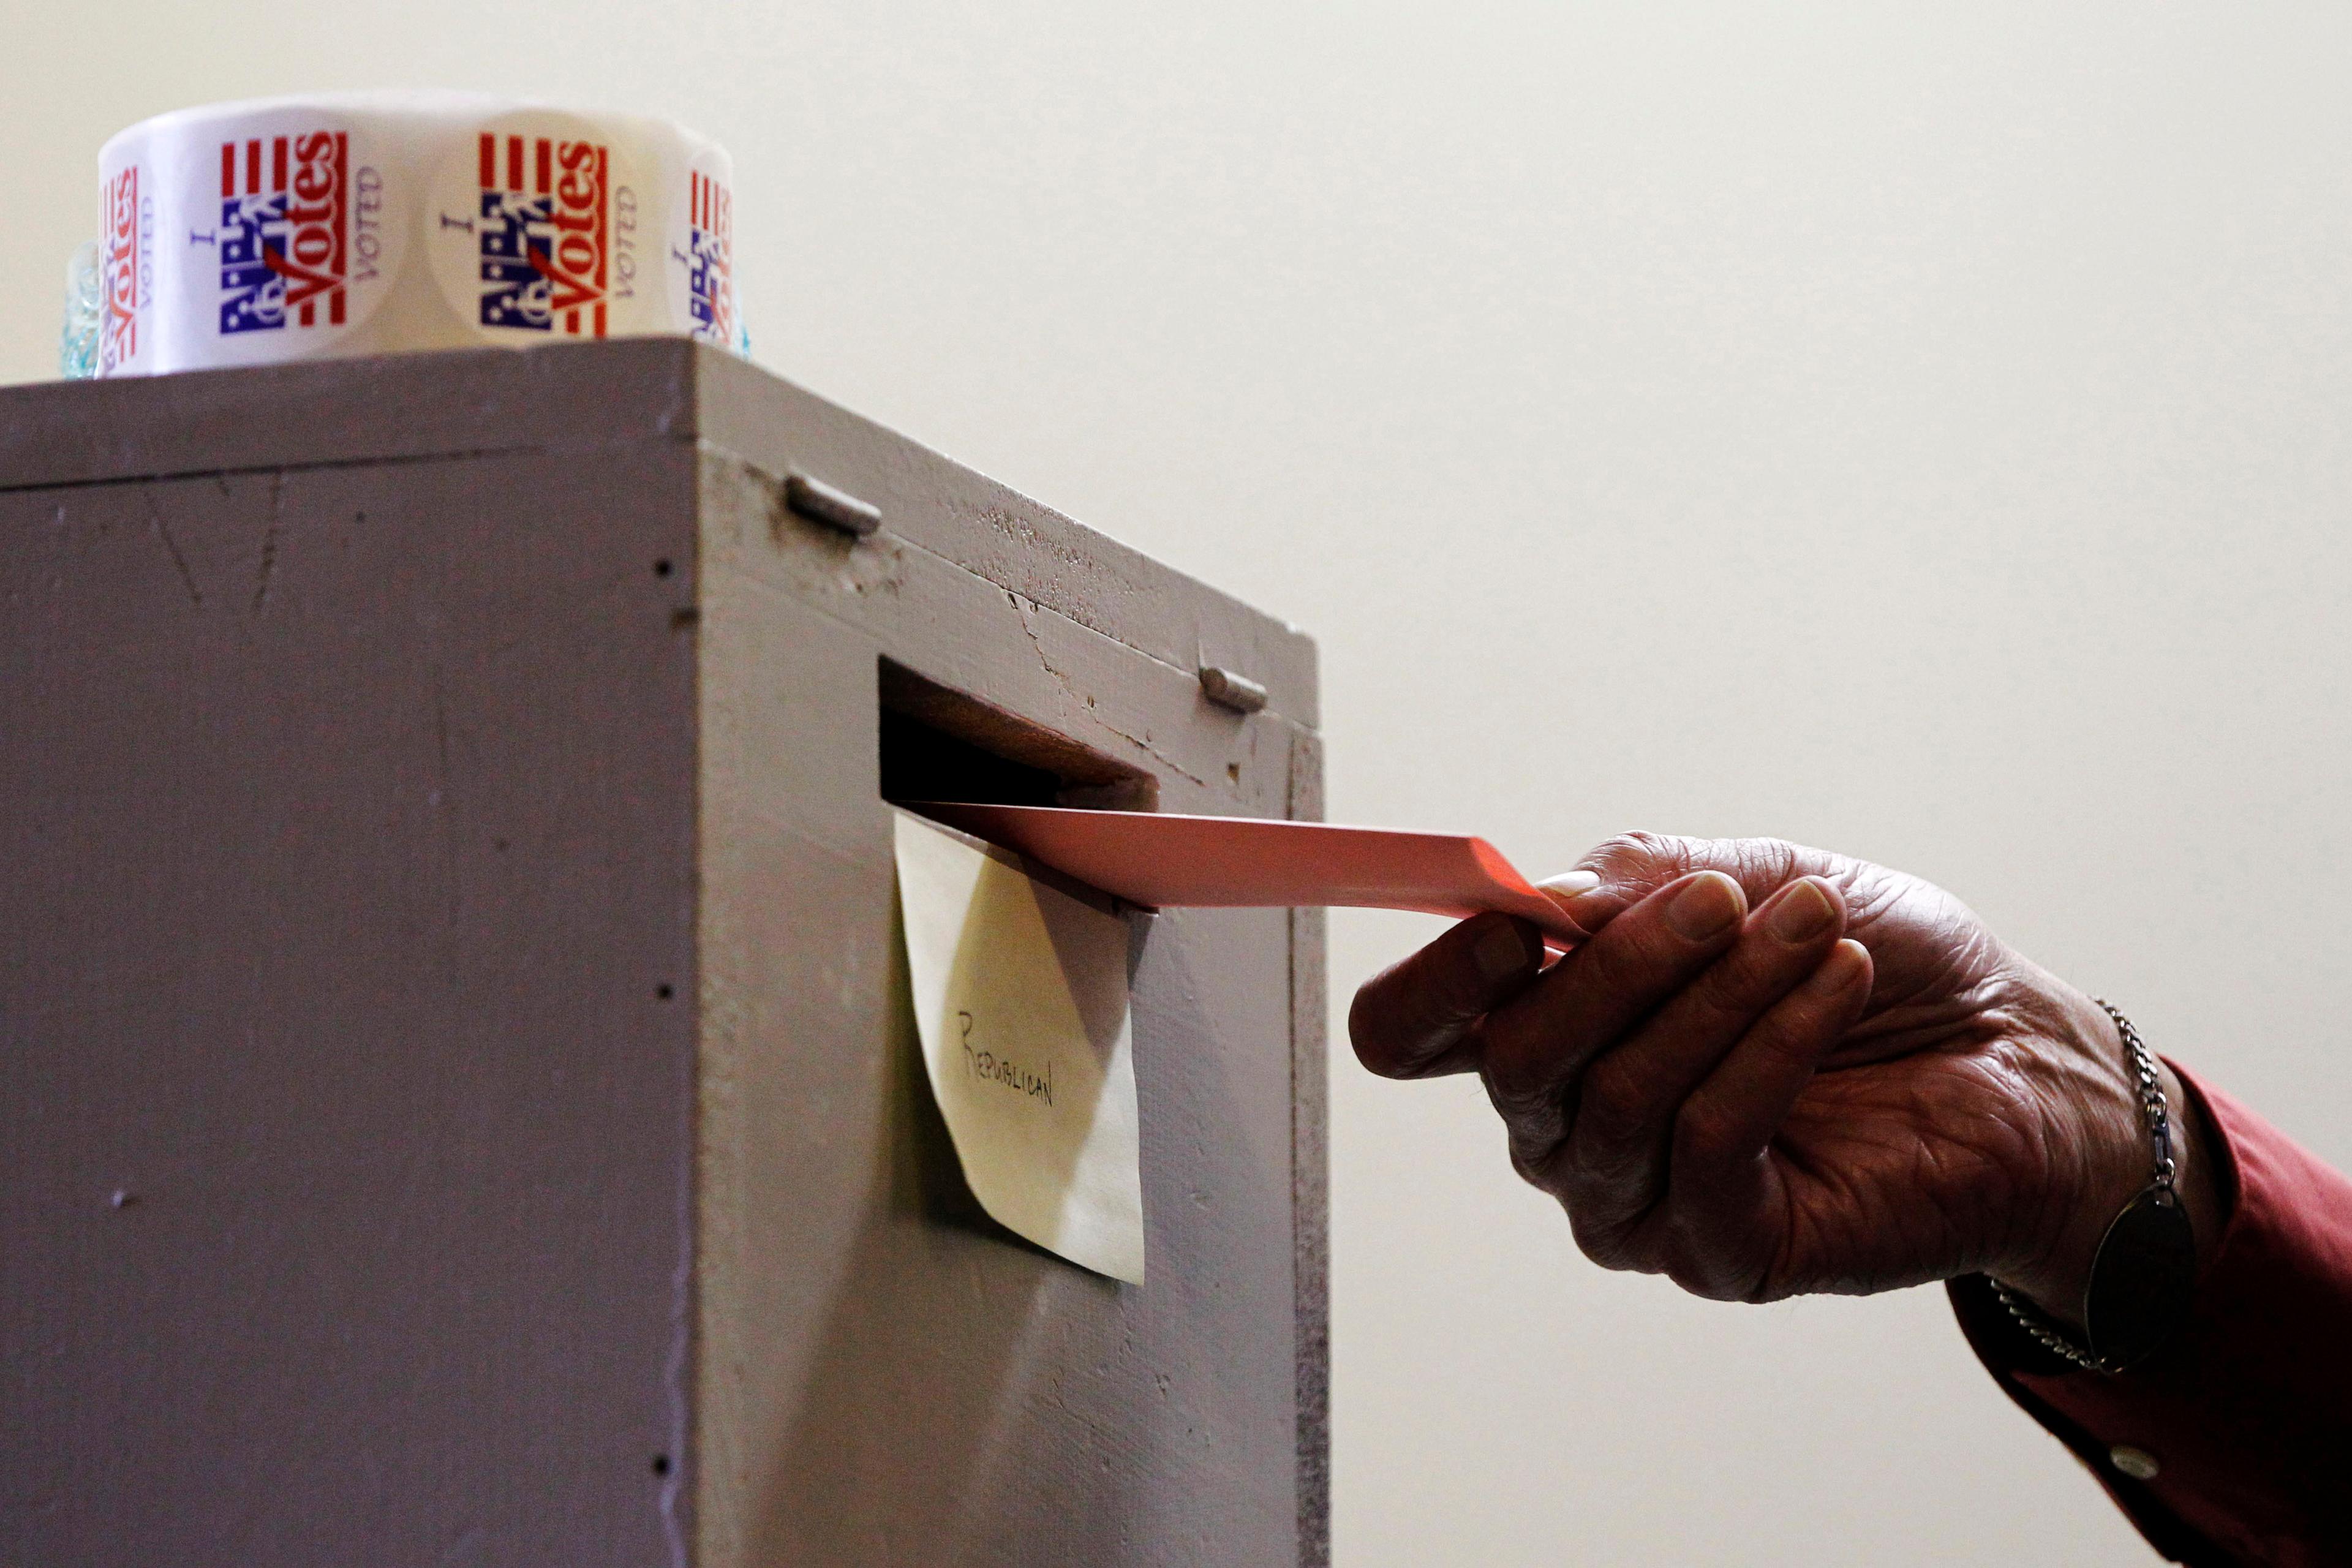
{"type": "Point", "coordinates": [1924, 435]}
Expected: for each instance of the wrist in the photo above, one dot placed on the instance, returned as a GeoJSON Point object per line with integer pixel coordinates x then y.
{"type": "Point", "coordinates": [2112, 1161]}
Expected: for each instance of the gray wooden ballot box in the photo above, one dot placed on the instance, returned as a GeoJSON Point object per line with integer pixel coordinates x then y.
{"type": "Point", "coordinates": [457, 1101]}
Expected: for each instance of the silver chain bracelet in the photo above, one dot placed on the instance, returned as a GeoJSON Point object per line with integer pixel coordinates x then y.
{"type": "Point", "coordinates": [2172, 1244]}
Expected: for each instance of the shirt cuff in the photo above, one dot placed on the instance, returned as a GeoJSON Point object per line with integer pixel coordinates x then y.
{"type": "Point", "coordinates": [2230, 1445]}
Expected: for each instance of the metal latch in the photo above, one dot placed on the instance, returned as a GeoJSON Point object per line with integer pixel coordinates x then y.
{"type": "Point", "coordinates": [821, 503]}
{"type": "Point", "coordinates": [1227, 689]}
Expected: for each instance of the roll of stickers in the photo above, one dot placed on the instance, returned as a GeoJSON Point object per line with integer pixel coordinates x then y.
{"type": "Point", "coordinates": [358, 223]}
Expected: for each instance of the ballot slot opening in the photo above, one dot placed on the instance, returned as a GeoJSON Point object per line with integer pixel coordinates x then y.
{"type": "Point", "coordinates": [938, 744]}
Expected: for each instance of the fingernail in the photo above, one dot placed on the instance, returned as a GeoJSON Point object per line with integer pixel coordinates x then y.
{"type": "Point", "coordinates": [1711, 902]}
{"type": "Point", "coordinates": [1502, 952]}
{"type": "Point", "coordinates": [1804, 912]}
{"type": "Point", "coordinates": [1570, 884]}
{"type": "Point", "coordinates": [1846, 962]}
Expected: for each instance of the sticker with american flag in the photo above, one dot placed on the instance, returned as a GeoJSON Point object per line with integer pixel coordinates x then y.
{"type": "Point", "coordinates": [126, 270]}
{"type": "Point", "coordinates": [545, 236]}
{"type": "Point", "coordinates": [283, 243]}
{"type": "Point", "coordinates": [710, 260]}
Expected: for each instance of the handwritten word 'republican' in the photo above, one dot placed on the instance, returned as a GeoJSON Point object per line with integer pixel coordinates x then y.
{"type": "Point", "coordinates": [989, 1068]}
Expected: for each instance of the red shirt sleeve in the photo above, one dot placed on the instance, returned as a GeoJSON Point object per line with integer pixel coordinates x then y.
{"type": "Point", "coordinates": [2246, 1417]}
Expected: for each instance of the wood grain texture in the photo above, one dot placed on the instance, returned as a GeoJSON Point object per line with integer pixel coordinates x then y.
{"type": "Point", "coordinates": [409, 406]}
{"type": "Point", "coordinates": [392, 408]}
{"type": "Point", "coordinates": [1000, 535]}
{"type": "Point", "coordinates": [939, 1392]}
{"type": "Point", "coordinates": [346, 1156]}
{"type": "Point", "coordinates": [955, 630]}
{"type": "Point", "coordinates": [453, 910]}
{"type": "Point", "coordinates": [1311, 1177]}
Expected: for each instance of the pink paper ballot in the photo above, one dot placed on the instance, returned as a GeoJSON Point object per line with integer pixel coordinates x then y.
{"type": "Point", "coordinates": [1148, 858]}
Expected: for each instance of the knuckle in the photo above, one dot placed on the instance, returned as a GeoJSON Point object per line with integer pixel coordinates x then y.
{"type": "Point", "coordinates": [1628, 1245]}
{"type": "Point", "coordinates": [1746, 981]}
{"type": "Point", "coordinates": [1727, 996]}
{"type": "Point", "coordinates": [1709, 1280]}
{"type": "Point", "coordinates": [1787, 1044]}
{"type": "Point", "coordinates": [1534, 1164]}
{"type": "Point", "coordinates": [1611, 1108]}
{"type": "Point", "coordinates": [1523, 1076]}
{"type": "Point", "coordinates": [1765, 1285]}
{"type": "Point", "coordinates": [1620, 849]}
{"type": "Point", "coordinates": [1608, 1244]}
{"type": "Point", "coordinates": [1626, 853]}
{"type": "Point", "coordinates": [1707, 1135]}
{"type": "Point", "coordinates": [1624, 1179]}
{"type": "Point", "coordinates": [1628, 959]}
{"type": "Point", "coordinates": [1766, 862]}
{"type": "Point", "coordinates": [1714, 1264]}
{"type": "Point", "coordinates": [1533, 1117]}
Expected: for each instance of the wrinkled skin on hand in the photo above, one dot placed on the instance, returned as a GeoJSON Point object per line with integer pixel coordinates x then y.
{"type": "Point", "coordinates": [1776, 1071]}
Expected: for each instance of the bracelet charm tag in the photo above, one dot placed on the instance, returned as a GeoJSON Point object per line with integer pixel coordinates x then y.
{"type": "Point", "coordinates": [2144, 1280]}
{"type": "Point", "coordinates": [2144, 1276]}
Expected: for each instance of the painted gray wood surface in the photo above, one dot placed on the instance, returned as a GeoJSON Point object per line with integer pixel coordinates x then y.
{"type": "Point", "coordinates": [456, 1100]}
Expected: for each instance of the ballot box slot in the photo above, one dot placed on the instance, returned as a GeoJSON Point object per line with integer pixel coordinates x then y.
{"type": "Point", "coordinates": [938, 744]}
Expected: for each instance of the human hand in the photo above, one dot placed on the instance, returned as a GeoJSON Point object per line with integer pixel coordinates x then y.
{"type": "Point", "coordinates": [1775, 1070]}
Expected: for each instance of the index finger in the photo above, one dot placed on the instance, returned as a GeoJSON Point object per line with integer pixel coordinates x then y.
{"type": "Point", "coordinates": [1412, 1019]}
